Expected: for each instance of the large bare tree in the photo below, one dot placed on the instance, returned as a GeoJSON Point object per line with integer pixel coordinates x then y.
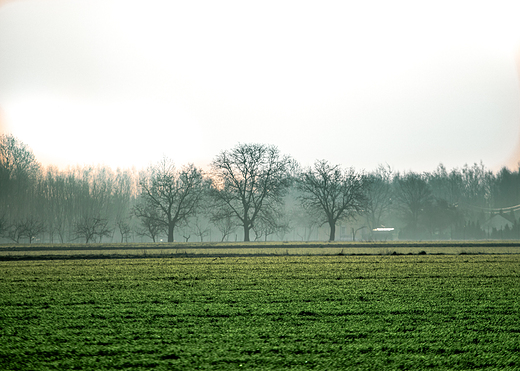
{"type": "Point", "coordinates": [249, 180]}
{"type": "Point", "coordinates": [332, 193]}
{"type": "Point", "coordinates": [169, 196]}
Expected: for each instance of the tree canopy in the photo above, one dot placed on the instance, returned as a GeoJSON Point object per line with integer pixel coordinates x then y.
{"type": "Point", "coordinates": [169, 196]}
{"type": "Point", "coordinates": [254, 187]}
{"type": "Point", "coordinates": [332, 192]}
{"type": "Point", "coordinates": [250, 181]}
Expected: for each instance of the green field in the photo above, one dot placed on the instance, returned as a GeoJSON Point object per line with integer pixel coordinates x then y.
{"type": "Point", "coordinates": [280, 312]}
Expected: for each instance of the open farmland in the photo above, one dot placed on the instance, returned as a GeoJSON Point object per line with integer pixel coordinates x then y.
{"type": "Point", "coordinates": [280, 312]}
{"type": "Point", "coordinates": [235, 249]}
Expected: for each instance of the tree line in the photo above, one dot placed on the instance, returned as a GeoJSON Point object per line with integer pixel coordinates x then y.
{"type": "Point", "coordinates": [249, 192]}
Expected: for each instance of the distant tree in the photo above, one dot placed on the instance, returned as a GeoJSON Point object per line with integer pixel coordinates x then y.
{"type": "Point", "coordinates": [3, 226]}
{"type": "Point", "coordinates": [304, 223]}
{"type": "Point", "coordinates": [59, 201]}
{"type": "Point", "coordinates": [200, 227]}
{"type": "Point", "coordinates": [186, 235]}
{"type": "Point", "coordinates": [270, 222]}
{"type": "Point", "coordinates": [439, 216]}
{"type": "Point", "coordinates": [169, 196]}
{"type": "Point", "coordinates": [124, 229]}
{"type": "Point", "coordinates": [17, 161]}
{"type": "Point", "coordinates": [32, 228]}
{"type": "Point", "coordinates": [15, 232]}
{"type": "Point", "coordinates": [413, 196]}
{"type": "Point", "coordinates": [505, 188]}
{"type": "Point", "coordinates": [332, 193]}
{"type": "Point", "coordinates": [28, 227]}
{"type": "Point", "coordinates": [379, 194]}
{"type": "Point", "coordinates": [443, 213]}
{"type": "Point", "coordinates": [151, 225]}
{"type": "Point", "coordinates": [469, 230]}
{"type": "Point", "coordinates": [19, 171]}
{"type": "Point", "coordinates": [477, 186]}
{"type": "Point", "coordinates": [224, 221]}
{"type": "Point", "coordinates": [284, 227]}
{"type": "Point", "coordinates": [446, 185]}
{"type": "Point", "coordinates": [123, 198]}
{"type": "Point", "coordinates": [250, 179]}
{"type": "Point", "coordinates": [91, 228]}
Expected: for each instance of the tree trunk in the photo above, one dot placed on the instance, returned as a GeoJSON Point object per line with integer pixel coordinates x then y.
{"type": "Point", "coordinates": [246, 232]}
{"type": "Point", "coordinates": [332, 235]}
{"type": "Point", "coordinates": [171, 226]}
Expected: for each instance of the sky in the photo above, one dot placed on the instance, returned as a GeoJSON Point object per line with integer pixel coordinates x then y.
{"type": "Point", "coordinates": [410, 84]}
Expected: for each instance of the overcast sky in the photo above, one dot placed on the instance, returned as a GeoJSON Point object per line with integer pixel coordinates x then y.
{"type": "Point", "coordinates": [122, 83]}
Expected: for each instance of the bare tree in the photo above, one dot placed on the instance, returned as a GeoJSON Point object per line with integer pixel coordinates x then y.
{"type": "Point", "coordinates": [379, 196]}
{"type": "Point", "coordinates": [15, 232]}
{"type": "Point", "coordinates": [125, 191]}
{"type": "Point", "coordinates": [284, 227]}
{"type": "Point", "coordinates": [91, 227]}
{"type": "Point", "coordinates": [19, 172]}
{"type": "Point", "coordinates": [271, 222]}
{"type": "Point", "coordinates": [248, 179]}
{"type": "Point", "coordinates": [446, 185]}
{"type": "Point", "coordinates": [150, 223]}
{"type": "Point", "coordinates": [124, 229]}
{"type": "Point", "coordinates": [186, 236]}
{"type": "Point", "coordinates": [413, 196]}
{"type": "Point", "coordinates": [17, 162]}
{"type": "Point", "coordinates": [224, 221]}
{"type": "Point", "coordinates": [32, 228]}
{"type": "Point", "coordinates": [200, 227]}
{"type": "Point", "coordinates": [29, 228]}
{"type": "Point", "coordinates": [170, 196]}
{"type": "Point", "coordinates": [505, 188]}
{"type": "Point", "coordinates": [476, 180]}
{"type": "Point", "coordinates": [333, 193]}
{"type": "Point", "coordinates": [60, 199]}
{"type": "Point", "coordinates": [3, 226]}
{"type": "Point", "coordinates": [309, 222]}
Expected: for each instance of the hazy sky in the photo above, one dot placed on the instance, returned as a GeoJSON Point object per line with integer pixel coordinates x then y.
{"type": "Point", "coordinates": [408, 83]}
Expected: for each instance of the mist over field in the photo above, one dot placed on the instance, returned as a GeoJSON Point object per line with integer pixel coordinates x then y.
{"type": "Point", "coordinates": [246, 121]}
{"type": "Point", "coordinates": [251, 192]}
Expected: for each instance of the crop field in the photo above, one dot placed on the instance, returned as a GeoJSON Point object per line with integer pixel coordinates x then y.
{"type": "Point", "coordinates": [234, 249]}
{"type": "Point", "coordinates": [266, 312]}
